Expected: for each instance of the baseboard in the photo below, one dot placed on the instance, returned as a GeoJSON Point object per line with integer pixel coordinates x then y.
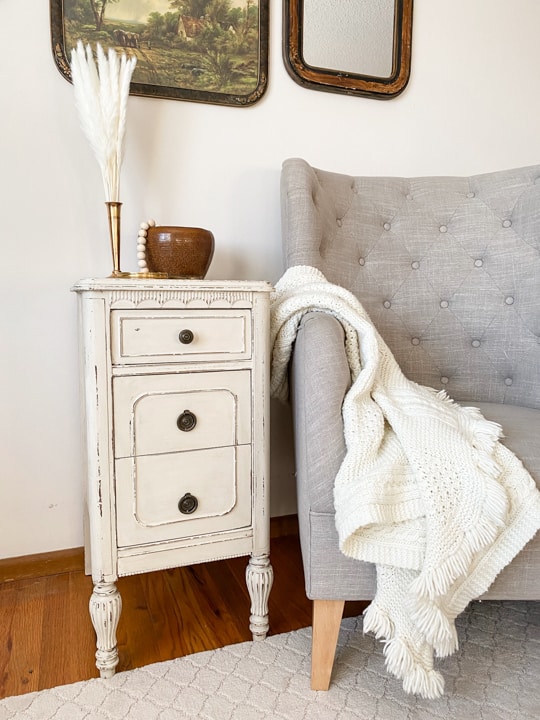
{"type": "Point", "coordinates": [28, 567]}
{"type": "Point", "coordinates": [41, 565]}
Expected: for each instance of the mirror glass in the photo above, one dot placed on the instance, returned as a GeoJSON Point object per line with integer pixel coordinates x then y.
{"type": "Point", "coordinates": [352, 36]}
{"type": "Point", "coordinates": [357, 47]}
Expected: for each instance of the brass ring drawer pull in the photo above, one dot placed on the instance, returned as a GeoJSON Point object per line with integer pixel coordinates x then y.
{"type": "Point", "coordinates": [187, 504]}
{"type": "Point", "coordinates": [186, 421]}
{"type": "Point", "coordinates": [186, 337]}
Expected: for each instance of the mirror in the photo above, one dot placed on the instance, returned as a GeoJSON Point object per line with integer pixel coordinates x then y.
{"type": "Point", "coordinates": [356, 47]}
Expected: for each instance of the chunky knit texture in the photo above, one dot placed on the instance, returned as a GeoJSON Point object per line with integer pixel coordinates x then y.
{"type": "Point", "coordinates": [426, 490]}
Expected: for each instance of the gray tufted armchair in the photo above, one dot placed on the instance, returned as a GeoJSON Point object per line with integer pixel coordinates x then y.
{"type": "Point", "coordinates": [449, 270]}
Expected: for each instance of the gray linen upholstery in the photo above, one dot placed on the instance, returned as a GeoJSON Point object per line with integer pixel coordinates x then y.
{"type": "Point", "coordinates": [449, 270]}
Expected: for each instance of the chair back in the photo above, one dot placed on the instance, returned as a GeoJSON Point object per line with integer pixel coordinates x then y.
{"type": "Point", "coordinates": [448, 269]}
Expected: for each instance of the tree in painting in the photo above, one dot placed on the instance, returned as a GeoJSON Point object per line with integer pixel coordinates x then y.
{"type": "Point", "coordinates": [88, 10]}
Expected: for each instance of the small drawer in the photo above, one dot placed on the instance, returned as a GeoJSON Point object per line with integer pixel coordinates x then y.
{"type": "Point", "coordinates": [178, 495]}
{"type": "Point", "coordinates": [186, 411]}
{"type": "Point", "coordinates": [167, 336]}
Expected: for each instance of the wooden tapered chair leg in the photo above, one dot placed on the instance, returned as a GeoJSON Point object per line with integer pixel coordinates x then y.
{"type": "Point", "coordinates": [327, 616]}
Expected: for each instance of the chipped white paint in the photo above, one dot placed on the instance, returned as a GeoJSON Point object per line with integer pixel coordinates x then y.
{"type": "Point", "coordinates": [105, 608]}
{"type": "Point", "coordinates": [259, 578]}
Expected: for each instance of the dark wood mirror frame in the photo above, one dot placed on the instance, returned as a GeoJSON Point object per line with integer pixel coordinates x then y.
{"type": "Point", "coordinates": [346, 82]}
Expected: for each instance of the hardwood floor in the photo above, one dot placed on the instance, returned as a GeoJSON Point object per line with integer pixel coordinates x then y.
{"type": "Point", "coordinates": [47, 639]}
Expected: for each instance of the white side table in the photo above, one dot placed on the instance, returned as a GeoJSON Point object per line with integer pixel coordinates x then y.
{"type": "Point", "coordinates": [175, 396]}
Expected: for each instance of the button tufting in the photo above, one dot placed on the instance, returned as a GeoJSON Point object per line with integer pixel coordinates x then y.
{"type": "Point", "coordinates": [470, 195]}
{"type": "Point", "coordinates": [387, 304]}
{"type": "Point", "coordinates": [509, 300]}
{"type": "Point", "coordinates": [415, 341]}
{"type": "Point", "coordinates": [478, 263]}
{"type": "Point", "coordinates": [508, 381]}
{"type": "Point", "coordinates": [415, 265]}
{"type": "Point", "coordinates": [339, 222]}
{"type": "Point", "coordinates": [444, 303]}
{"type": "Point", "coordinates": [443, 228]}
{"type": "Point", "coordinates": [361, 261]}
{"type": "Point", "coordinates": [387, 226]}
{"type": "Point", "coordinates": [409, 196]}
{"type": "Point", "coordinates": [475, 343]}
{"type": "Point", "coordinates": [445, 380]}
{"type": "Point", "coordinates": [507, 223]}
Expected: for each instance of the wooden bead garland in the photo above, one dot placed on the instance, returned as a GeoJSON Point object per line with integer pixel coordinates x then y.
{"type": "Point", "coordinates": [141, 245]}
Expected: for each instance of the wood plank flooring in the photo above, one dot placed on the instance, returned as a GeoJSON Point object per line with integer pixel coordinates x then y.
{"type": "Point", "coordinates": [47, 639]}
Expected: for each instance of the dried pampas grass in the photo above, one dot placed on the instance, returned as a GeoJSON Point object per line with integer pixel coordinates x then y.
{"type": "Point", "coordinates": [101, 94]}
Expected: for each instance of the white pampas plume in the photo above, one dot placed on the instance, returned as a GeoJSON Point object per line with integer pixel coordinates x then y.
{"type": "Point", "coordinates": [101, 95]}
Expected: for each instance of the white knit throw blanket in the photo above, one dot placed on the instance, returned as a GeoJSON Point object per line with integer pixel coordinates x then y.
{"type": "Point", "coordinates": [426, 491]}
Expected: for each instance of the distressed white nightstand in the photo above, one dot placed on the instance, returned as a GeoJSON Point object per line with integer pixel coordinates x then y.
{"type": "Point", "coordinates": [175, 396]}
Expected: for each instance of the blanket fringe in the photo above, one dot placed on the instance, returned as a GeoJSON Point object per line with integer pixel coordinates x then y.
{"type": "Point", "coordinates": [401, 661]}
{"type": "Point", "coordinates": [376, 621]}
{"type": "Point", "coordinates": [417, 679]}
{"type": "Point", "coordinates": [434, 582]}
{"type": "Point", "coordinates": [436, 627]}
{"type": "Point", "coordinates": [483, 434]}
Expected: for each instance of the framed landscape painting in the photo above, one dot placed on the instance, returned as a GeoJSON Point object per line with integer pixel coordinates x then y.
{"type": "Point", "coordinates": [213, 51]}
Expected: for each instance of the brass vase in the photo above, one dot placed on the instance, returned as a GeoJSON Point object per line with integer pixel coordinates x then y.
{"type": "Point", "coordinates": [113, 214]}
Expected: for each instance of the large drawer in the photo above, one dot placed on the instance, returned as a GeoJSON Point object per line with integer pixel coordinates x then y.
{"type": "Point", "coordinates": [164, 336]}
{"type": "Point", "coordinates": [178, 412]}
{"type": "Point", "coordinates": [149, 489]}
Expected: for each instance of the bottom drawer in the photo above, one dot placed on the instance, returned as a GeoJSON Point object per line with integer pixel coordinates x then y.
{"type": "Point", "coordinates": [150, 487]}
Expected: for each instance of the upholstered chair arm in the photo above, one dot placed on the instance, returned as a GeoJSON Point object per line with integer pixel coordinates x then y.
{"type": "Point", "coordinates": [320, 378]}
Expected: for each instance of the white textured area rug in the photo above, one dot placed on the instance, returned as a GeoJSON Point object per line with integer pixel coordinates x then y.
{"type": "Point", "coordinates": [494, 676]}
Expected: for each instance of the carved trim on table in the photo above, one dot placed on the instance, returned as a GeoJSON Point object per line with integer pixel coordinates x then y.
{"type": "Point", "coordinates": [180, 298]}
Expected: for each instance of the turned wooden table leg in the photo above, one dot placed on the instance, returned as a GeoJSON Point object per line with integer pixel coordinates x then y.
{"type": "Point", "coordinates": [259, 578]}
{"type": "Point", "coordinates": [105, 609]}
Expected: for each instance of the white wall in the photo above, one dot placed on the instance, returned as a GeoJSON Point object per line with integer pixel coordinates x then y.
{"type": "Point", "coordinates": [472, 105]}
